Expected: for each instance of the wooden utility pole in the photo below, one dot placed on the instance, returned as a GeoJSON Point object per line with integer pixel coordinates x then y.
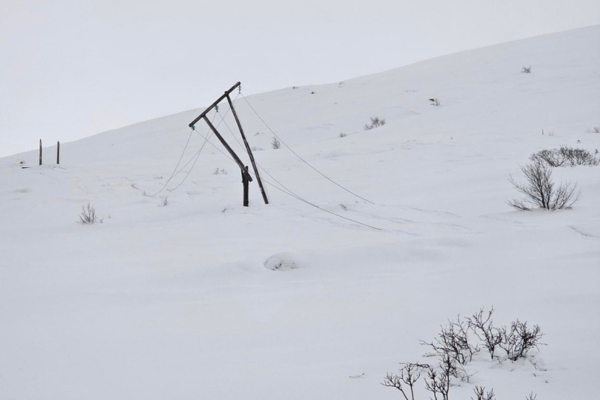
{"type": "Point", "coordinates": [249, 150]}
{"type": "Point", "coordinates": [246, 177]}
{"type": "Point", "coordinates": [40, 151]}
{"type": "Point", "coordinates": [57, 153]}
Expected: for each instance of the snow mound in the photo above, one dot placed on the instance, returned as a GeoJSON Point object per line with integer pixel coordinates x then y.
{"type": "Point", "coordinates": [282, 262]}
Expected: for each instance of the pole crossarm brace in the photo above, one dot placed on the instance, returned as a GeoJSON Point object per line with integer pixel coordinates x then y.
{"type": "Point", "coordinates": [199, 117]}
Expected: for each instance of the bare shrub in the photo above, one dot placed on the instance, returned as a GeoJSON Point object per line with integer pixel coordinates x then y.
{"type": "Point", "coordinates": [579, 156]}
{"type": "Point", "coordinates": [531, 396]}
{"type": "Point", "coordinates": [376, 122]}
{"type": "Point", "coordinates": [452, 349]}
{"type": "Point", "coordinates": [88, 214]}
{"type": "Point", "coordinates": [481, 394]}
{"type": "Point", "coordinates": [275, 143]}
{"type": "Point", "coordinates": [551, 157]}
{"type": "Point", "coordinates": [453, 341]}
{"type": "Point", "coordinates": [482, 326]}
{"type": "Point", "coordinates": [409, 375]}
{"type": "Point", "coordinates": [526, 70]}
{"type": "Point", "coordinates": [518, 340]}
{"type": "Point", "coordinates": [594, 129]}
{"type": "Point", "coordinates": [541, 191]}
{"type": "Point", "coordinates": [566, 156]}
{"type": "Point", "coordinates": [437, 380]}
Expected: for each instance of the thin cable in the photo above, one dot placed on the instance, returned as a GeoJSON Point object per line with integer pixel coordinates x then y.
{"type": "Point", "coordinates": [210, 133]}
{"type": "Point", "coordinates": [297, 197]}
{"type": "Point", "coordinates": [302, 159]}
{"type": "Point", "coordinates": [174, 169]}
{"type": "Point", "coordinates": [260, 166]}
{"type": "Point", "coordinates": [292, 194]}
{"type": "Point", "coordinates": [322, 209]}
{"type": "Point", "coordinates": [285, 190]}
{"type": "Point", "coordinates": [197, 155]}
{"type": "Point", "coordinates": [193, 165]}
{"type": "Point", "coordinates": [232, 134]}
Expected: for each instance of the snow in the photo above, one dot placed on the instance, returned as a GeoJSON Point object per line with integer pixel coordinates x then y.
{"type": "Point", "coordinates": [203, 298]}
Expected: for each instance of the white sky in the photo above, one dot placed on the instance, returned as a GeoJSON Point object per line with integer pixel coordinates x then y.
{"type": "Point", "coordinates": [73, 68]}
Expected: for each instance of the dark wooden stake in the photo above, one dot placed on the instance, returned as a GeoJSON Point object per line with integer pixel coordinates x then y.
{"type": "Point", "coordinates": [57, 152]}
{"type": "Point", "coordinates": [248, 149]}
{"type": "Point", "coordinates": [245, 181]}
{"type": "Point", "coordinates": [40, 151]}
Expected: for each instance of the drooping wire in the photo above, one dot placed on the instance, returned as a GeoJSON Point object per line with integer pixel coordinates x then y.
{"type": "Point", "coordinates": [302, 159]}
{"type": "Point", "coordinates": [195, 156]}
{"type": "Point", "coordinates": [193, 165]}
{"type": "Point", "coordinates": [174, 173]}
{"type": "Point", "coordinates": [320, 208]}
{"type": "Point", "coordinates": [290, 193]}
{"type": "Point", "coordinates": [282, 189]}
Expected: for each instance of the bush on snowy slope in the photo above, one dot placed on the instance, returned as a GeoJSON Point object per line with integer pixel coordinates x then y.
{"type": "Point", "coordinates": [376, 122]}
{"type": "Point", "coordinates": [275, 143]}
{"type": "Point", "coordinates": [516, 341]}
{"type": "Point", "coordinates": [540, 190]}
{"type": "Point", "coordinates": [566, 156]}
{"type": "Point", "coordinates": [455, 346]}
{"type": "Point", "coordinates": [88, 214]}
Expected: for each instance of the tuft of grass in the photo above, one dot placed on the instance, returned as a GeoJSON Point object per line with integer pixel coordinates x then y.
{"type": "Point", "coordinates": [376, 122]}
{"type": "Point", "coordinates": [275, 143]}
{"type": "Point", "coordinates": [88, 214]}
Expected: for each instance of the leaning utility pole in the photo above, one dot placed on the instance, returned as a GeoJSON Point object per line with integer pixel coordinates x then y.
{"type": "Point", "coordinates": [244, 169]}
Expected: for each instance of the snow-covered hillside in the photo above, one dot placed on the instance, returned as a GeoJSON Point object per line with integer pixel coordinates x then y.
{"type": "Point", "coordinates": [174, 296]}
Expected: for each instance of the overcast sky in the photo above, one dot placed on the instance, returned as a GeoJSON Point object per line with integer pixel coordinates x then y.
{"type": "Point", "coordinates": [71, 69]}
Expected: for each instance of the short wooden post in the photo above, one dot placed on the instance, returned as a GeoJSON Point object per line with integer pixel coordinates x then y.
{"type": "Point", "coordinates": [246, 185]}
{"type": "Point", "coordinates": [40, 151]}
{"type": "Point", "coordinates": [57, 153]}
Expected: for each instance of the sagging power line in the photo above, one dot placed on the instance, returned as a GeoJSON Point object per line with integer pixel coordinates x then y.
{"type": "Point", "coordinates": [246, 175]}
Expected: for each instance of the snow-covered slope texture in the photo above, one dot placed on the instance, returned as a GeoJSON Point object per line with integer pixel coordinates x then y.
{"type": "Point", "coordinates": [185, 294]}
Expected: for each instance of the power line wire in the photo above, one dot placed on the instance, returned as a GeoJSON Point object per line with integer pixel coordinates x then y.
{"type": "Point", "coordinates": [302, 159]}
{"type": "Point", "coordinates": [282, 189]}
{"type": "Point", "coordinates": [195, 156]}
{"type": "Point", "coordinates": [193, 165]}
{"type": "Point", "coordinates": [174, 169]}
{"type": "Point", "coordinates": [320, 208]}
{"type": "Point", "coordinates": [290, 193]}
